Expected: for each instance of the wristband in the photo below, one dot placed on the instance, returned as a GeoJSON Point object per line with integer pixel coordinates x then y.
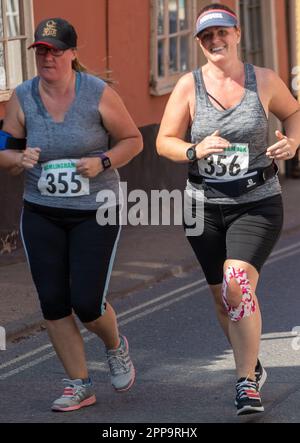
{"type": "Point", "coordinates": [7, 141]}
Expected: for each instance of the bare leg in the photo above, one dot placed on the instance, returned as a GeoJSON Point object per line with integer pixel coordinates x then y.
{"type": "Point", "coordinates": [221, 311]}
{"type": "Point", "coordinates": [244, 334]}
{"type": "Point", "coordinates": [68, 344]}
{"type": "Point", "coordinates": [106, 328]}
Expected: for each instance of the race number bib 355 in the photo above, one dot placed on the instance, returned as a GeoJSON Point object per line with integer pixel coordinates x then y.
{"type": "Point", "coordinates": [60, 179]}
{"type": "Point", "coordinates": [232, 163]}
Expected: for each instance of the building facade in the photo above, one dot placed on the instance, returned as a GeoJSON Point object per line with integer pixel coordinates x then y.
{"type": "Point", "coordinates": [143, 47]}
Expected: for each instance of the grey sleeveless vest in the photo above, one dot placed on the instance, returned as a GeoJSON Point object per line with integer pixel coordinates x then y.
{"type": "Point", "coordinates": [81, 134]}
{"type": "Point", "coordinates": [244, 123]}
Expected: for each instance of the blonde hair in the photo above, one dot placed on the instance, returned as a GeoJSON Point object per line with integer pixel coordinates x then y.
{"type": "Point", "coordinates": [79, 67]}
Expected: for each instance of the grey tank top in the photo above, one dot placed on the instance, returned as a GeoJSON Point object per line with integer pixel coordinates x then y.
{"type": "Point", "coordinates": [245, 123]}
{"type": "Point", "coordinates": [54, 182]}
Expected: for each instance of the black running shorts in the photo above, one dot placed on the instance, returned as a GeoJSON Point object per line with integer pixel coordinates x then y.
{"type": "Point", "coordinates": [246, 232]}
{"type": "Point", "coordinates": [70, 258]}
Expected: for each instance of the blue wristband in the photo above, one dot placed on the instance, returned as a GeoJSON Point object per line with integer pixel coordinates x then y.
{"type": "Point", "coordinates": [7, 141]}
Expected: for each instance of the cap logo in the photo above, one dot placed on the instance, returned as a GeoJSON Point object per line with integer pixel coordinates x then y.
{"type": "Point", "coordinates": [211, 16]}
{"type": "Point", "coordinates": [50, 29]}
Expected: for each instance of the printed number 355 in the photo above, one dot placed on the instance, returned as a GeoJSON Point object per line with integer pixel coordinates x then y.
{"type": "Point", "coordinates": [53, 185]}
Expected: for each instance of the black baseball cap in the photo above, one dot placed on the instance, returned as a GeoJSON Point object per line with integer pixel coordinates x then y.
{"type": "Point", "coordinates": [55, 33]}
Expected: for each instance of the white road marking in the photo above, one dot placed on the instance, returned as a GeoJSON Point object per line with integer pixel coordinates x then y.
{"type": "Point", "coordinates": [146, 312]}
{"type": "Point", "coordinates": [287, 248]}
{"type": "Point", "coordinates": [146, 264]}
{"type": "Point", "coordinates": [93, 336]}
{"type": "Point", "coordinates": [119, 316]}
{"type": "Point", "coordinates": [131, 275]}
{"type": "Point", "coordinates": [289, 254]}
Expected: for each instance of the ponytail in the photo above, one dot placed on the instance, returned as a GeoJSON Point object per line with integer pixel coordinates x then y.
{"type": "Point", "coordinates": [79, 67]}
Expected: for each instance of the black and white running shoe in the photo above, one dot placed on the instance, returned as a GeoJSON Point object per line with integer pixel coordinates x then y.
{"type": "Point", "coordinates": [248, 399]}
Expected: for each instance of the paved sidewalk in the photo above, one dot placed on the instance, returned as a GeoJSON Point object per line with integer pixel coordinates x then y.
{"type": "Point", "coordinates": [146, 254]}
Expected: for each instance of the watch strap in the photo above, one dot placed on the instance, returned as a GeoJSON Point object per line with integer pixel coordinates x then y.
{"type": "Point", "coordinates": [192, 148]}
{"type": "Point", "coordinates": [105, 160]}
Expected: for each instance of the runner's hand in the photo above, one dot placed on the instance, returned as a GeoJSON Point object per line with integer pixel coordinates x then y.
{"type": "Point", "coordinates": [284, 149]}
{"type": "Point", "coordinates": [29, 158]}
{"type": "Point", "coordinates": [213, 144]}
{"type": "Point", "coordinates": [89, 167]}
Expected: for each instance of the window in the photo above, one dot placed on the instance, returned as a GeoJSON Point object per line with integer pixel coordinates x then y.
{"type": "Point", "coordinates": [16, 63]}
{"type": "Point", "coordinates": [173, 49]}
{"type": "Point", "coordinates": [252, 45]}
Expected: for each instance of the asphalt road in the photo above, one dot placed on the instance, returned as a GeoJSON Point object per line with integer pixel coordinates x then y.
{"type": "Point", "coordinates": [185, 369]}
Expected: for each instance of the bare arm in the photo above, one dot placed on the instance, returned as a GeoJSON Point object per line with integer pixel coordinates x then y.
{"type": "Point", "coordinates": [170, 141]}
{"type": "Point", "coordinates": [175, 122]}
{"type": "Point", "coordinates": [285, 107]}
{"type": "Point", "coordinates": [14, 125]}
{"type": "Point", "coordinates": [120, 125]}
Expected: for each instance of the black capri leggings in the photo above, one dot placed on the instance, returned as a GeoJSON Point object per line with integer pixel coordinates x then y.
{"type": "Point", "coordinates": [70, 258]}
{"type": "Point", "coordinates": [246, 232]}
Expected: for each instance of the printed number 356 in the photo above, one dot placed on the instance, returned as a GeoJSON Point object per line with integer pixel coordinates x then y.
{"type": "Point", "coordinates": [220, 169]}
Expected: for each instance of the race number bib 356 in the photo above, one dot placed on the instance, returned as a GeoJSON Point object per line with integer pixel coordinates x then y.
{"type": "Point", "coordinates": [232, 163]}
{"type": "Point", "coordinates": [60, 179]}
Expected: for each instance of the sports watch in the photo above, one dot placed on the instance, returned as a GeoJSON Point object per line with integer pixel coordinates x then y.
{"type": "Point", "coordinates": [106, 163]}
{"type": "Point", "coordinates": [191, 153]}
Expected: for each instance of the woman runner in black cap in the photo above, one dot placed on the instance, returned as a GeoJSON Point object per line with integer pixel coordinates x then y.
{"type": "Point", "coordinates": [67, 115]}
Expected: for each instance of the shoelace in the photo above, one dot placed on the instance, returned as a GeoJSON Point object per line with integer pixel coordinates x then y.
{"type": "Point", "coordinates": [247, 388]}
{"type": "Point", "coordinates": [117, 361]}
{"type": "Point", "coordinates": [72, 390]}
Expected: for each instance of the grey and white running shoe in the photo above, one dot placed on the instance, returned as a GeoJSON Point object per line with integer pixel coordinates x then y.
{"type": "Point", "coordinates": [122, 371]}
{"type": "Point", "coordinates": [76, 395]}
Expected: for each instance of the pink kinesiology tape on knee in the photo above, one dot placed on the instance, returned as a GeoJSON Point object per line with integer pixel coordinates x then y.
{"type": "Point", "coordinates": [247, 306]}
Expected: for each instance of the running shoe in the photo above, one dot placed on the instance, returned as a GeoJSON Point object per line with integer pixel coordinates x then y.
{"type": "Point", "coordinates": [76, 395]}
{"type": "Point", "coordinates": [260, 375]}
{"type": "Point", "coordinates": [122, 371]}
{"type": "Point", "coordinates": [248, 399]}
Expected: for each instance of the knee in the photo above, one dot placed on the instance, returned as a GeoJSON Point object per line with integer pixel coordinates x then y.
{"type": "Point", "coordinates": [237, 294]}
{"type": "Point", "coordinates": [88, 314]}
{"type": "Point", "coordinates": [234, 293]}
{"type": "Point", "coordinates": [54, 309]}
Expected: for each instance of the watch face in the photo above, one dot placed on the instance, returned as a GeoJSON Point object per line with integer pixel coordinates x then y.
{"type": "Point", "coordinates": [106, 162]}
{"type": "Point", "coordinates": [191, 154]}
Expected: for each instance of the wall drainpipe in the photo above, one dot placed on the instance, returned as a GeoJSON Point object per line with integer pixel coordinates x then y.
{"type": "Point", "coordinates": [108, 71]}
